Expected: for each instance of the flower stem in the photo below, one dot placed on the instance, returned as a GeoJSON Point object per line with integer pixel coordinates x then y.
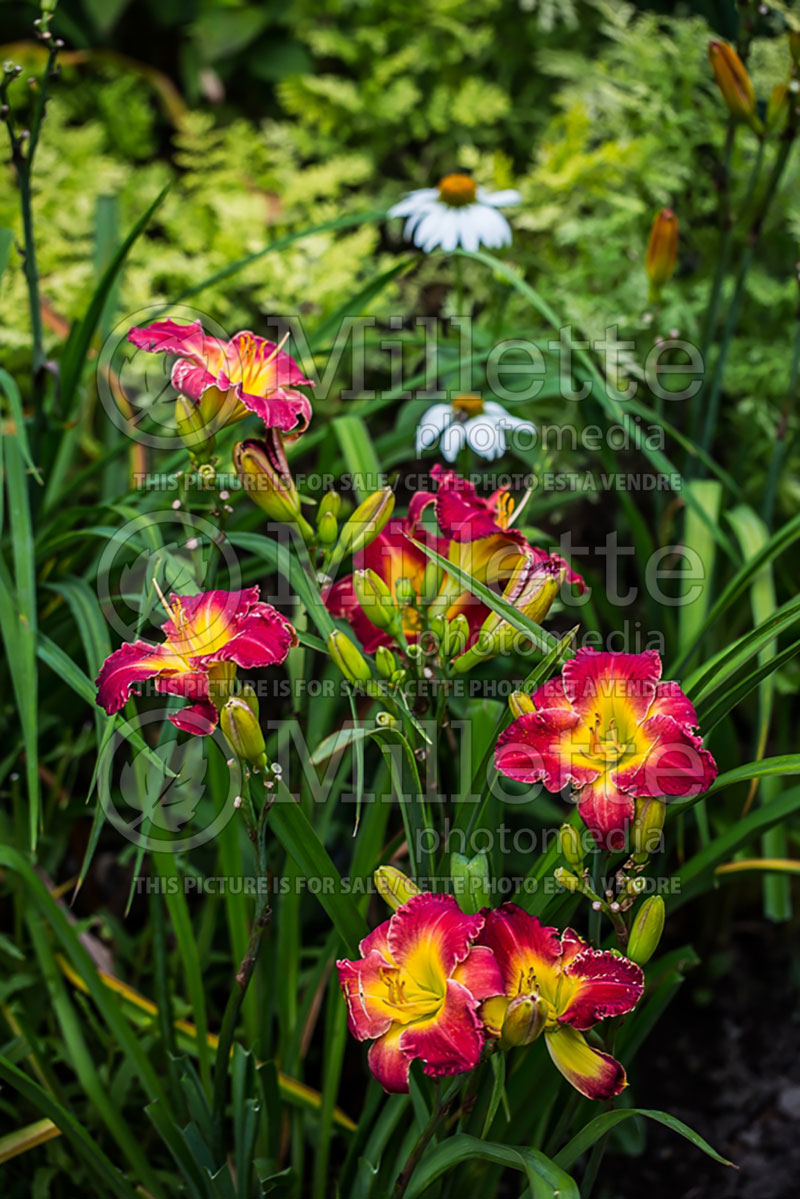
{"type": "Point", "coordinates": [780, 445]}
{"type": "Point", "coordinates": [440, 1108]}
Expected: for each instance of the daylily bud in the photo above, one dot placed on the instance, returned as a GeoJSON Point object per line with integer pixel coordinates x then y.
{"type": "Point", "coordinates": [398, 677]}
{"type": "Point", "coordinates": [531, 589]}
{"type": "Point", "coordinates": [438, 626]}
{"type": "Point", "coordinates": [431, 582]}
{"type": "Point", "coordinates": [525, 1019]}
{"type": "Point", "coordinates": [520, 704]}
{"type": "Point", "coordinates": [404, 590]}
{"type": "Point", "coordinates": [330, 503]}
{"type": "Point", "coordinates": [571, 846]}
{"type": "Point", "coordinates": [348, 658]}
{"type": "Point", "coordinates": [327, 528]}
{"type": "Point", "coordinates": [646, 930]}
{"type": "Point", "coordinates": [243, 732]}
{"type": "Point", "coordinates": [565, 878]}
{"type": "Point", "coordinates": [456, 635]}
{"type": "Point", "coordinates": [394, 887]}
{"type": "Point", "coordinates": [385, 661]}
{"type": "Point", "coordinates": [777, 105]}
{"type": "Point", "coordinates": [648, 824]}
{"type": "Point", "coordinates": [192, 428]}
{"type": "Point", "coordinates": [471, 876]}
{"type": "Point", "coordinates": [375, 599]}
{"type": "Point", "coordinates": [368, 520]}
{"type": "Point", "coordinates": [662, 251]}
{"type": "Point", "coordinates": [385, 720]}
{"type": "Point", "coordinates": [734, 83]}
{"type": "Point", "coordinates": [265, 476]}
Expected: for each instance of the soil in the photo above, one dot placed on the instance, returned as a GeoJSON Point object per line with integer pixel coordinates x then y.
{"type": "Point", "coordinates": [725, 1059]}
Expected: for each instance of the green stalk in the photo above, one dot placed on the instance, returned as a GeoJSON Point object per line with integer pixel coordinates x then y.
{"type": "Point", "coordinates": [780, 445]}
{"type": "Point", "coordinates": [741, 279]}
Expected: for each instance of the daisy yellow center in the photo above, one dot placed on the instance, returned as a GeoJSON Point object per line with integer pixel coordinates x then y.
{"type": "Point", "coordinates": [457, 190]}
{"type": "Point", "coordinates": [469, 405]}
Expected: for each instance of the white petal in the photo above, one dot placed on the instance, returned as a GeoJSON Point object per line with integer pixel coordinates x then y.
{"type": "Point", "coordinates": [433, 422]}
{"type": "Point", "coordinates": [452, 441]}
{"type": "Point", "coordinates": [425, 233]}
{"type": "Point", "coordinates": [410, 203]}
{"type": "Point", "coordinates": [485, 437]}
{"type": "Point", "coordinates": [499, 199]}
{"type": "Point", "coordinates": [450, 231]}
{"type": "Point", "coordinates": [495, 230]}
{"type": "Point", "coordinates": [492, 408]}
{"type": "Point", "coordinates": [470, 234]}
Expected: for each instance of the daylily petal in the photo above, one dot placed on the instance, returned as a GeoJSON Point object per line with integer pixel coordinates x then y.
{"type": "Point", "coordinates": [199, 719]}
{"type": "Point", "coordinates": [523, 948]}
{"type": "Point", "coordinates": [670, 701]}
{"type": "Point", "coordinates": [546, 745]}
{"type": "Point", "coordinates": [388, 1063]}
{"type": "Point", "coordinates": [284, 409]}
{"type": "Point", "coordinates": [133, 663]}
{"type": "Point", "coordinates": [430, 935]}
{"type": "Point", "coordinates": [450, 1042]}
{"type": "Point", "coordinates": [480, 973]}
{"type": "Point", "coordinates": [192, 379]}
{"type": "Point", "coordinates": [606, 811]}
{"type": "Point", "coordinates": [258, 364]}
{"type": "Point", "coordinates": [190, 341]}
{"type": "Point", "coordinates": [597, 984]}
{"type": "Point", "coordinates": [622, 685]}
{"type": "Point", "coordinates": [596, 1075]}
{"type": "Point", "coordinates": [264, 638]}
{"type": "Point", "coordinates": [202, 624]}
{"type": "Point", "coordinates": [191, 684]}
{"type": "Point", "coordinates": [675, 764]}
{"type": "Point", "coordinates": [369, 1013]}
{"type": "Point", "coordinates": [377, 940]}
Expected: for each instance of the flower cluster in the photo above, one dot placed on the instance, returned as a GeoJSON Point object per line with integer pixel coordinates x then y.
{"type": "Point", "coordinates": [394, 598]}
{"type": "Point", "coordinates": [436, 984]}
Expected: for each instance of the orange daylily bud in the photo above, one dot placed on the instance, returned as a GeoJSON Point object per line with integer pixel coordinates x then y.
{"type": "Point", "coordinates": [734, 83]}
{"type": "Point", "coordinates": [662, 251]}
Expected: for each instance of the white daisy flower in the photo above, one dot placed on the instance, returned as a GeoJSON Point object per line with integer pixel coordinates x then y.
{"type": "Point", "coordinates": [456, 213]}
{"type": "Point", "coordinates": [469, 420]}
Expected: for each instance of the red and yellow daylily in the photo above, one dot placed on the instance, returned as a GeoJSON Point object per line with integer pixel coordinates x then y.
{"type": "Point", "coordinates": [416, 990]}
{"type": "Point", "coordinates": [570, 986]}
{"type": "Point", "coordinates": [475, 536]}
{"type": "Point", "coordinates": [611, 728]}
{"type": "Point", "coordinates": [231, 378]}
{"type": "Point", "coordinates": [207, 637]}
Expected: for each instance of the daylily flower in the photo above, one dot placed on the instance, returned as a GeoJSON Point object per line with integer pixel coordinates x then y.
{"type": "Point", "coordinates": [482, 541]}
{"type": "Point", "coordinates": [612, 729]}
{"type": "Point", "coordinates": [231, 378]}
{"type": "Point", "coordinates": [416, 989]}
{"type": "Point", "coordinates": [480, 424]}
{"type": "Point", "coordinates": [456, 212]}
{"type": "Point", "coordinates": [207, 637]}
{"type": "Point", "coordinates": [568, 985]}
